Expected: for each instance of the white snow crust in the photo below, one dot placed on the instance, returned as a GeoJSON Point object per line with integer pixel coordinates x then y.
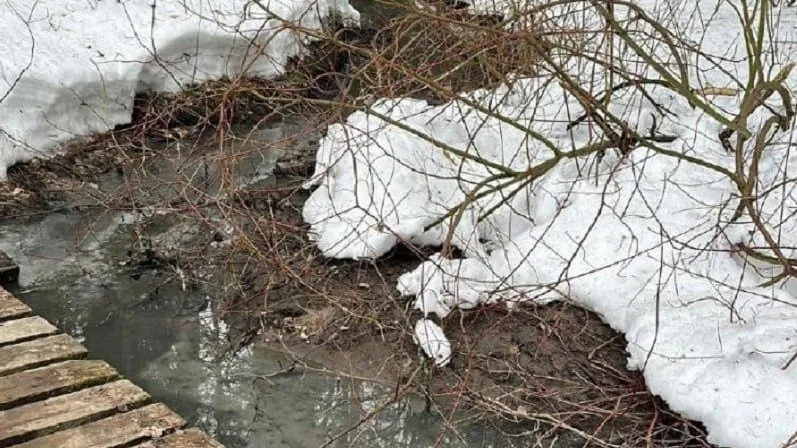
{"type": "Point", "coordinates": [71, 68]}
{"type": "Point", "coordinates": [646, 243]}
{"type": "Point", "coordinates": [431, 339]}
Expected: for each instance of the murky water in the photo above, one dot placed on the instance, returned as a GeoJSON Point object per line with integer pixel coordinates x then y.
{"type": "Point", "coordinates": [169, 339]}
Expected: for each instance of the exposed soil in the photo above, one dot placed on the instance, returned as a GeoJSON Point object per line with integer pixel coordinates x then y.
{"type": "Point", "coordinates": [46, 184]}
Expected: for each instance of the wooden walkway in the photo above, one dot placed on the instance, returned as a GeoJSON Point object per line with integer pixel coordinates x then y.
{"type": "Point", "coordinates": [52, 397]}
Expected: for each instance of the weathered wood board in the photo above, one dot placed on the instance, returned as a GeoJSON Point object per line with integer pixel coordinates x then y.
{"type": "Point", "coordinates": [11, 307]}
{"type": "Point", "coordinates": [52, 397]}
{"type": "Point", "coordinates": [149, 422]}
{"type": "Point", "coordinates": [24, 329]}
{"type": "Point", "coordinates": [38, 352]}
{"type": "Point", "coordinates": [66, 411]}
{"type": "Point", "coordinates": [33, 385]}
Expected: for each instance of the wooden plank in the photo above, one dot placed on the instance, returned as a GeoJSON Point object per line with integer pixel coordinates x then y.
{"type": "Point", "coordinates": [67, 411]}
{"type": "Point", "coordinates": [11, 307]}
{"type": "Point", "coordinates": [33, 385]}
{"type": "Point", "coordinates": [38, 352]}
{"type": "Point", "coordinates": [146, 423]}
{"type": "Point", "coordinates": [24, 329]}
{"type": "Point", "coordinates": [190, 438]}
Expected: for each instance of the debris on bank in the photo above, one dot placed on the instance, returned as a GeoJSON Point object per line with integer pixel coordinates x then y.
{"type": "Point", "coordinates": [9, 271]}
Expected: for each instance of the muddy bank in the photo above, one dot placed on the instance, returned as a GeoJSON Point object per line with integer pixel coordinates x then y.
{"type": "Point", "coordinates": [171, 339]}
{"type": "Point", "coordinates": [554, 370]}
{"type": "Point", "coordinates": [555, 367]}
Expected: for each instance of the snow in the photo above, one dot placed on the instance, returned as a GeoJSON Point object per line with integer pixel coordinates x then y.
{"type": "Point", "coordinates": [645, 243]}
{"type": "Point", "coordinates": [71, 68]}
{"type": "Point", "coordinates": [432, 341]}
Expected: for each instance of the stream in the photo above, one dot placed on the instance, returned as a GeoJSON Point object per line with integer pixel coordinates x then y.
{"type": "Point", "coordinates": [75, 272]}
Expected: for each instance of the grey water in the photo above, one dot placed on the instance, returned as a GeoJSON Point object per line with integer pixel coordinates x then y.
{"type": "Point", "coordinates": [75, 272]}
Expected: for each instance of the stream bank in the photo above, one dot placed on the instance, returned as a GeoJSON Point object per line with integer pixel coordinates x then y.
{"type": "Point", "coordinates": [171, 334]}
{"type": "Point", "coordinates": [221, 308]}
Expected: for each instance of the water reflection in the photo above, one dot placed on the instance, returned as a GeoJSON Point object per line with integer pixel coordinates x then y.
{"type": "Point", "coordinates": [171, 341]}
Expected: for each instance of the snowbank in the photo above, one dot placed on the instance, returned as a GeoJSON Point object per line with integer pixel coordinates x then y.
{"type": "Point", "coordinates": [71, 68]}
{"type": "Point", "coordinates": [644, 243]}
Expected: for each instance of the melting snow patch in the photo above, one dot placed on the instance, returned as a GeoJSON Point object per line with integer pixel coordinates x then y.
{"type": "Point", "coordinates": [433, 342]}
{"type": "Point", "coordinates": [71, 68]}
